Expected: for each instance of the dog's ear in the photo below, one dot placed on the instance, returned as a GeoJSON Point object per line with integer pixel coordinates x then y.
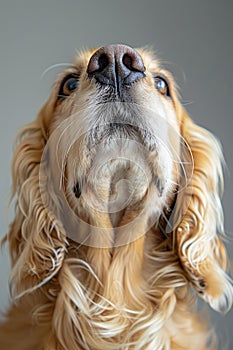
{"type": "Point", "coordinates": [36, 238]}
{"type": "Point", "coordinates": [199, 234]}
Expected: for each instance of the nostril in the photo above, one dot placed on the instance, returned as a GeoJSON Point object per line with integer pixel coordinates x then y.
{"type": "Point", "coordinates": [98, 62]}
{"type": "Point", "coordinates": [103, 62]}
{"type": "Point", "coordinates": [133, 61]}
{"type": "Point", "coordinates": [127, 61]}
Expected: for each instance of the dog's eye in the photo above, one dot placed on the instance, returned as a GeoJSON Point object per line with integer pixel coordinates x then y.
{"type": "Point", "coordinates": [68, 85]}
{"type": "Point", "coordinates": [162, 86]}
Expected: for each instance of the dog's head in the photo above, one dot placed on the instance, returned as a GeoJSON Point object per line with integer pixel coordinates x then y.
{"type": "Point", "coordinates": [115, 138]}
{"type": "Point", "coordinates": [114, 148]}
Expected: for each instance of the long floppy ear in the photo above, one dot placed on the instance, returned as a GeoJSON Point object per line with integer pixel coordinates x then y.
{"type": "Point", "coordinates": [36, 238]}
{"type": "Point", "coordinates": [200, 232]}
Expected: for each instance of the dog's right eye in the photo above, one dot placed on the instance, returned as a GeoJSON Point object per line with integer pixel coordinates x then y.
{"type": "Point", "coordinates": [162, 85]}
{"type": "Point", "coordinates": [68, 85]}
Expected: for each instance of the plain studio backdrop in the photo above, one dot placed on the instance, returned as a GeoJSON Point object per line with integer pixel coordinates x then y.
{"type": "Point", "coordinates": [192, 38]}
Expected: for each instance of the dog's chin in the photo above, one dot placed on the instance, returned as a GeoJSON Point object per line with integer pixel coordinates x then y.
{"type": "Point", "coordinates": [115, 132]}
{"type": "Point", "coordinates": [120, 157]}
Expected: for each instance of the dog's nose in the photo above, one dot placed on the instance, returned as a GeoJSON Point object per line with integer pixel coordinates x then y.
{"type": "Point", "coordinates": [116, 65]}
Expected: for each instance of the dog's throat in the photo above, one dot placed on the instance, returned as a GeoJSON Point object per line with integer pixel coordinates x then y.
{"type": "Point", "coordinates": [127, 183]}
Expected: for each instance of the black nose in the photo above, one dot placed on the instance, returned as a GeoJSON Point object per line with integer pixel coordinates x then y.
{"type": "Point", "coordinates": [116, 65]}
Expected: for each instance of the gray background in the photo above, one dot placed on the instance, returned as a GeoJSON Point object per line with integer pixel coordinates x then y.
{"type": "Point", "coordinates": [193, 38]}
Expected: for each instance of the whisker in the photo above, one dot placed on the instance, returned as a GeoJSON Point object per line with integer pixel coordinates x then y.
{"type": "Point", "coordinates": [168, 223]}
{"type": "Point", "coordinates": [173, 183]}
{"type": "Point", "coordinates": [188, 103]}
{"type": "Point", "coordinates": [56, 65]}
{"type": "Point", "coordinates": [183, 163]}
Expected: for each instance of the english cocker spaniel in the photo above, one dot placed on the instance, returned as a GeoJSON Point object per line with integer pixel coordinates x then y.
{"type": "Point", "coordinates": [118, 220]}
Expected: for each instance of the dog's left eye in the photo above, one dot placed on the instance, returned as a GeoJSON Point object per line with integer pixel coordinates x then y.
{"type": "Point", "coordinates": [68, 85]}
{"type": "Point", "coordinates": [162, 85]}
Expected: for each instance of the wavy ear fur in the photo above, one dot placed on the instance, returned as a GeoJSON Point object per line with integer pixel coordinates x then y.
{"type": "Point", "coordinates": [200, 232]}
{"type": "Point", "coordinates": [36, 238]}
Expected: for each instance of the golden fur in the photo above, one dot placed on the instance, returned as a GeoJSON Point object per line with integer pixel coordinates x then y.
{"type": "Point", "coordinates": [117, 282]}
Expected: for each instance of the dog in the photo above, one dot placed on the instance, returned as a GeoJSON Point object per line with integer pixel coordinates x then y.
{"type": "Point", "coordinates": [118, 221]}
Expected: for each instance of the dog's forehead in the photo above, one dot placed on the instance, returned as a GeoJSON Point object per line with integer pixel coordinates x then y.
{"type": "Point", "coordinates": [150, 60]}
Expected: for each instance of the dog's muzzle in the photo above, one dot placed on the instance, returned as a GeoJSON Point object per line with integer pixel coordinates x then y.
{"type": "Point", "coordinates": [116, 65]}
